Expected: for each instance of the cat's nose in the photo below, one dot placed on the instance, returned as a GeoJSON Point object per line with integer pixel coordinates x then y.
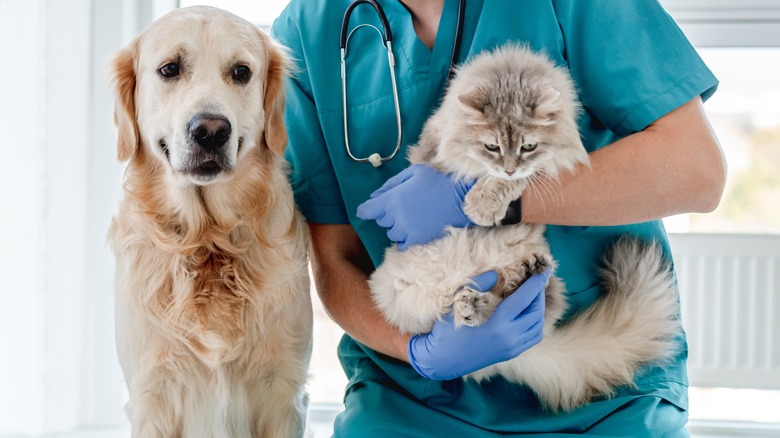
{"type": "Point", "coordinates": [509, 172]}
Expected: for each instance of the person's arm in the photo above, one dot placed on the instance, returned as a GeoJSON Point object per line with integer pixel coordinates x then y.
{"type": "Point", "coordinates": [341, 267]}
{"type": "Point", "coordinates": [673, 166]}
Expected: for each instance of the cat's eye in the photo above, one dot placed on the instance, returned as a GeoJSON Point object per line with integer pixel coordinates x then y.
{"type": "Point", "coordinates": [492, 147]}
{"type": "Point", "coordinates": [529, 146]}
{"type": "Point", "coordinates": [169, 70]}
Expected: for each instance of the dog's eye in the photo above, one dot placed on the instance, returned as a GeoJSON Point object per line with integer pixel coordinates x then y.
{"type": "Point", "coordinates": [170, 70]}
{"type": "Point", "coordinates": [241, 73]}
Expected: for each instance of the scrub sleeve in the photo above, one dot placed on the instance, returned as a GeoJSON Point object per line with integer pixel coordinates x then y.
{"type": "Point", "coordinates": [631, 65]}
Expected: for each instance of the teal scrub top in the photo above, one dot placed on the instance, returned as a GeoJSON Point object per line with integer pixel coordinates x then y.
{"type": "Point", "coordinates": [631, 65]}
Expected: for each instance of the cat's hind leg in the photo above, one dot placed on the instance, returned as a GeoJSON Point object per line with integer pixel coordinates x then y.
{"type": "Point", "coordinates": [512, 276]}
{"type": "Point", "coordinates": [473, 307]}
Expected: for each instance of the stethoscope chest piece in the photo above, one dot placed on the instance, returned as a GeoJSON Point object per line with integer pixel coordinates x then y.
{"type": "Point", "coordinates": [375, 159]}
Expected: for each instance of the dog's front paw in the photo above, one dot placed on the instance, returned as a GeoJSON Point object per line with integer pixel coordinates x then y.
{"type": "Point", "coordinates": [472, 307]}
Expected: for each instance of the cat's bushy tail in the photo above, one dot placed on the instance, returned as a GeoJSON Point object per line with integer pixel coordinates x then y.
{"type": "Point", "coordinates": [634, 323]}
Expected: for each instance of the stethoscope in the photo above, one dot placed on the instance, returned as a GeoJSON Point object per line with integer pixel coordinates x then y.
{"type": "Point", "coordinates": [387, 40]}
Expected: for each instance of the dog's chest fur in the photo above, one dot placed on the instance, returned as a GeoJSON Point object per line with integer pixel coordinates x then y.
{"type": "Point", "coordinates": [215, 304]}
{"type": "Point", "coordinates": [205, 295]}
{"type": "Point", "coordinates": [215, 291]}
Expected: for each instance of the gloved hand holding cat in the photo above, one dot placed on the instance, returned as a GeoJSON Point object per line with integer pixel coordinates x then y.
{"type": "Point", "coordinates": [449, 351]}
{"type": "Point", "coordinates": [430, 202]}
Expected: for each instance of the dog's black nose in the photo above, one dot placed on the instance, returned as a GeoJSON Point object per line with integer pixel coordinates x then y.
{"type": "Point", "coordinates": [209, 131]}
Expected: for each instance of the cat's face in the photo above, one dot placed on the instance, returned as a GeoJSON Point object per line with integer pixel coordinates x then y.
{"type": "Point", "coordinates": [511, 134]}
{"type": "Point", "coordinates": [508, 114]}
{"type": "Point", "coordinates": [507, 153]}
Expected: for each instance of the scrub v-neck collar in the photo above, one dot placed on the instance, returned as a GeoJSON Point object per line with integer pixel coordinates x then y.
{"type": "Point", "coordinates": [416, 53]}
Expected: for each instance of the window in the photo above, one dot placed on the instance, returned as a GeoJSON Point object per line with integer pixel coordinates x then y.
{"type": "Point", "coordinates": [746, 117]}
{"type": "Point", "coordinates": [262, 13]}
{"type": "Point", "coordinates": [740, 41]}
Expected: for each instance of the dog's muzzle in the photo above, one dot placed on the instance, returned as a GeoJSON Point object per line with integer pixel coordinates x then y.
{"type": "Point", "coordinates": [209, 135]}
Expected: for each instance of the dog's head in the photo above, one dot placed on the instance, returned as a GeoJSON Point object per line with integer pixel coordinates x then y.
{"type": "Point", "coordinates": [197, 90]}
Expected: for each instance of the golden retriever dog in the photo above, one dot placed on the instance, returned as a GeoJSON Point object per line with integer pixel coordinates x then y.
{"type": "Point", "coordinates": [213, 314]}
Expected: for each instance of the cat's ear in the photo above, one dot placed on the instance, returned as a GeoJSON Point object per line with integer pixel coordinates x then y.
{"type": "Point", "coordinates": [549, 104]}
{"type": "Point", "coordinates": [474, 100]}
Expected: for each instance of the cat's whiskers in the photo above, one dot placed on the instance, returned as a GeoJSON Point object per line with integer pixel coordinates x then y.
{"type": "Point", "coordinates": [543, 186]}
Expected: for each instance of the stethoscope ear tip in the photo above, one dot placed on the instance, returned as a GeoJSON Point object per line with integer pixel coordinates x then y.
{"type": "Point", "coordinates": [375, 159]}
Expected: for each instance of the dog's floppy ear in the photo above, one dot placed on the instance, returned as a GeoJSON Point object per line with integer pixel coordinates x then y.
{"type": "Point", "coordinates": [278, 62]}
{"type": "Point", "coordinates": [122, 73]}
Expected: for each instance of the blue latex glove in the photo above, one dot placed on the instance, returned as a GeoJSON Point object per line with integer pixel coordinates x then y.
{"type": "Point", "coordinates": [448, 352]}
{"type": "Point", "coordinates": [417, 204]}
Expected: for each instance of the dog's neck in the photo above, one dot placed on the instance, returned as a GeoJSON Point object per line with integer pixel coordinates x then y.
{"type": "Point", "coordinates": [228, 215]}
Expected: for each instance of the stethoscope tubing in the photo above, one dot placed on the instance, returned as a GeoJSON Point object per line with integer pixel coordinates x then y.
{"type": "Point", "coordinates": [458, 38]}
{"type": "Point", "coordinates": [387, 37]}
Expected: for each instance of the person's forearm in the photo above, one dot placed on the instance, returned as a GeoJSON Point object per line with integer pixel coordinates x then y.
{"type": "Point", "coordinates": [674, 166]}
{"type": "Point", "coordinates": [344, 292]}
{"type": "Point", "coordinates": [346, 298]}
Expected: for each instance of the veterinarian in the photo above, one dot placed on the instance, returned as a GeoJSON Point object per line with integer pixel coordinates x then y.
{"type": "Point", "coordinates": [653, 154]}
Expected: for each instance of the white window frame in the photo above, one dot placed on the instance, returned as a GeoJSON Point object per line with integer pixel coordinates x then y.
{"type": "Point", "coordinates": [728, 23]}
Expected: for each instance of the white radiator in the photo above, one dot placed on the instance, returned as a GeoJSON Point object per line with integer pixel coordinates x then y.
{"type": "Point", "coordinates": [730, 298]}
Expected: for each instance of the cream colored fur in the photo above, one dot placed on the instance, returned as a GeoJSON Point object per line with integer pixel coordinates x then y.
{"type": "Point", "coordinates": [213, 313]}
{"type": "Point", "coordinates": [588, 355]}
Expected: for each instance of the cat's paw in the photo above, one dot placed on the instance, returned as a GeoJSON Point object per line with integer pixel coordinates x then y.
{"type": "Point", "coordinates": [487, 202]}
{"type": "Point", "coordinates": [537, 263]}
{"type": "Point", "coordinates": [485, 209]}
{"type": "Point", "coordinates": [472, 307]}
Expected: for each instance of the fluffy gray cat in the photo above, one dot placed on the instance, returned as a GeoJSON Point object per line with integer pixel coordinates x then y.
{"type": "Point", "coordinates": [508, 118]}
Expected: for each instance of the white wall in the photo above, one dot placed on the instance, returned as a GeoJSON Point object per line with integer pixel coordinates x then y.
{"type": "Point", "coordinates": [21, 270]}
{"type": "Point", "coordinates": [59, 184]}
{"type": "Point", "coordinates": [44, 119]}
